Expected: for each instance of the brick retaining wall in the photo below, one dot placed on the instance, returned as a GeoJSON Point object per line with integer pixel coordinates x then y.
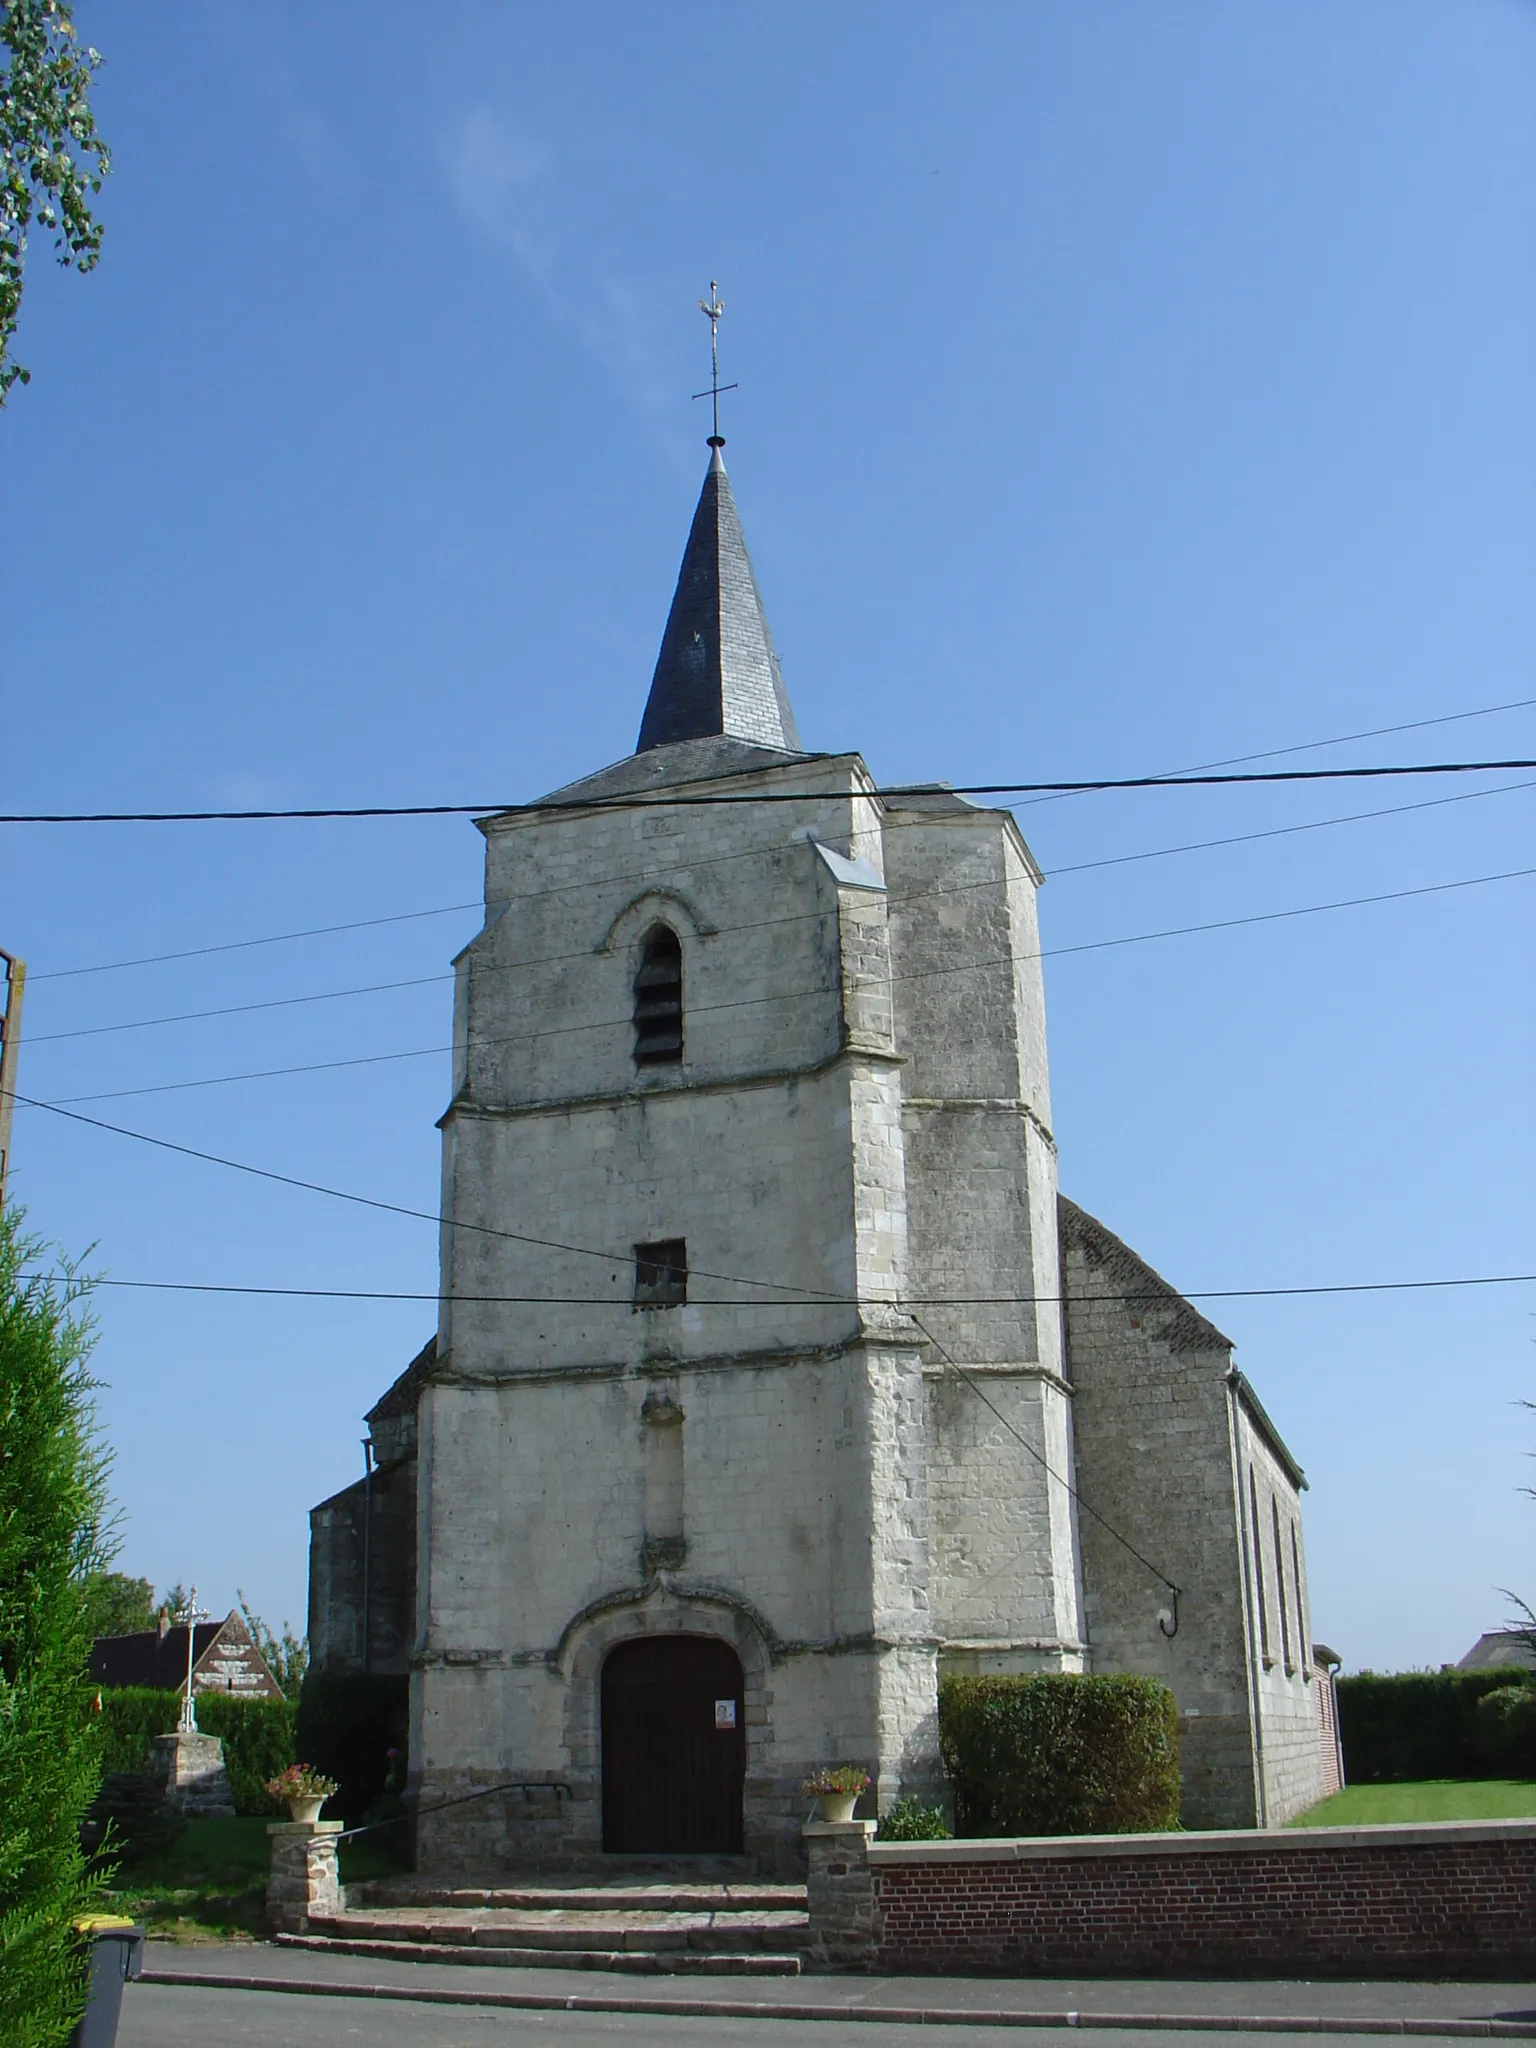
{"type": "Point", "coordinates": [1446, 1899]}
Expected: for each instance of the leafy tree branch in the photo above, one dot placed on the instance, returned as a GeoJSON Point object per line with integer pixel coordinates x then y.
{"type": "Point", "coordinates": [287, 1656]}
{"type": "Point", "coordinates": [52, 161]}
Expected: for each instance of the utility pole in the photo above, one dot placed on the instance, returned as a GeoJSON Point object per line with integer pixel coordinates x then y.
{"type": "Point", "coordinates": [10, 1046]}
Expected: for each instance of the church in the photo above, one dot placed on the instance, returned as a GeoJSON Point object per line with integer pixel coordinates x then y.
{"type": "Point", "coordinates": [774, 1377]}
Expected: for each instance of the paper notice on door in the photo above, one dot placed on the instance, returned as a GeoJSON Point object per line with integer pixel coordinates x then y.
{"type": "Point", "coordinates": [725, 1713]}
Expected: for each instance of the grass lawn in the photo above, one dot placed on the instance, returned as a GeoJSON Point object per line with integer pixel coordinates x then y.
{"type": "Point", "coordinates": [210, 1883]}
{"type": "Point", "coordinates": [1432, 1799]}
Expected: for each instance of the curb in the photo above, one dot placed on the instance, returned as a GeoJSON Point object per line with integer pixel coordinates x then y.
{"type": "Point", "coordinates": [889, 2015]}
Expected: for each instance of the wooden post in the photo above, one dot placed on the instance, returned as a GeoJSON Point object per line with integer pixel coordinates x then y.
{"type": "Point", "coordinates": [14, 982]}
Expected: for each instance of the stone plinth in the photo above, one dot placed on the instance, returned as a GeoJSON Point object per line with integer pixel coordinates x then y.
{"type": "Point", "coordinates": [302, 1881]}
{"type": "Point", "coordinates": [840, 1893]}
{"type": "Point", "coordinates": [189, 1773]}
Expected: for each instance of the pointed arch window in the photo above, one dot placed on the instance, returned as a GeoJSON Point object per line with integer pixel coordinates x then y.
{"type": "Point", "coordinates": [1285, 1615]}
{"type": "Point", "coordinates": [1258, 1559]}
{"type": "Point", "coordinates": [659, 1000]}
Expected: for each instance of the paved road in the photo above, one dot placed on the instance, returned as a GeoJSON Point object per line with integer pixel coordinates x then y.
{"type": "Point", "coordinates": [186, 2016]}
{"type": "Point", "coordinates": [1426, 2005]}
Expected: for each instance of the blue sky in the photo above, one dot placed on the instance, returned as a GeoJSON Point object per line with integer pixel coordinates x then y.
{"type": "Point", "coordinates": [1122, 389]}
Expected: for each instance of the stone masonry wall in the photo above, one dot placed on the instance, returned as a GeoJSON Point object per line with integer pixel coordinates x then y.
{"type": "Point", "coordinates": [1291, 1756]}
{"type": "Point", "coordinates": [981, 1209]}
{"type": "Point", "coordinates": [336, 1599]}
{"type": "Point", "coordinates": [795, 1496]}
{"type": "Point", "coordinates": [1154, 1457]}
{"type": "Point", "coordinates": [1175, 1453]}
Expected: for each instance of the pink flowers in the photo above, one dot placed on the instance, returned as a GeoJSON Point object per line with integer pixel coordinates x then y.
{"type": "Point", "coordinates": [301, 1781]}
{"type": "Point", "coordinates": [837, 1778]}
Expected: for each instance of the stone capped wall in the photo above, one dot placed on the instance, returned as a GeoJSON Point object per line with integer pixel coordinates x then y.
{"type": "Point", "coordinates": [1448, 1899]}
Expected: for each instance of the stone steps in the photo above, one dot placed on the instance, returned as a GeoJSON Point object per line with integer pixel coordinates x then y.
{"type": "Point", "coordinates": [640, 1961]}
{"type": "Point", "coordinates": [605, 1897]}
{"type": "Point", "coordinates": [677, 1925]}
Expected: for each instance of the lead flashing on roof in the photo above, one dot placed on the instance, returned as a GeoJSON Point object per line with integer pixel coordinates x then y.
{"type": "Point", "coordinates": [1257, 1414]}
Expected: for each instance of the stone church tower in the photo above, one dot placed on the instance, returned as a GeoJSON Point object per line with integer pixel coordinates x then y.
{"type": "Point", "coordinates": [751, 1403]}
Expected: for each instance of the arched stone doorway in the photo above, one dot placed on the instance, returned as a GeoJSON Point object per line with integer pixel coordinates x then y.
{"type": "Point", "coordinates": [674, 1747]}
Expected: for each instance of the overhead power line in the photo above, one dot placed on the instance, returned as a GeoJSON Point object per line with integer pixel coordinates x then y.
{"type": "Point", "coordinates": [1042, 1461]}
{"type": "Point", "coordinates": [1344, 739]}
{"type": "Point", "coordinates": [678, 797]}
{"type": "Point", "coordinates": [622, 1261]}
{"type": "Point", "coordinates": [807, 1297]}
{"type": "Point", "coordinates": [289, 1180]}
{"type": "Point", "coordinates": [700, 862]}
{"type": "Point", "coordinates": [319, 931]}
{"type": "Point", "coordinates": [818, 1301]}
{"type": "Point", "coordinates": [1432, 803]}
{"type": "Point", "coordinates": [783, 995]}
{"type": "Point", "coordinates": [909, 1302]}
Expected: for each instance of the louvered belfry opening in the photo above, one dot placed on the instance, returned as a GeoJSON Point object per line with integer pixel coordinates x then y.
{"type": "Point", "coordinates": [659, 1001]}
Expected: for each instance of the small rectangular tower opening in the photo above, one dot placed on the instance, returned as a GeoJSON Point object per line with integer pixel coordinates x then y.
{"type": "Point", "coordinates": [661, 1274]}
{"type": "Point", "coordinates": [659, 1001]}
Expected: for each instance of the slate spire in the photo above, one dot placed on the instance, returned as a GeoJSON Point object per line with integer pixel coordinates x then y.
{"type": "Point", "coordinates": [717, 672]}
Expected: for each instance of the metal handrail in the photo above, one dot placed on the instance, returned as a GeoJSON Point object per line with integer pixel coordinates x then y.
{"type": "Point", "coordinates": [527, 1786]}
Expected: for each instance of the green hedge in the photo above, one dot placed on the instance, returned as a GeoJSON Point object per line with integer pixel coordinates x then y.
{"type": "Point", "coordinates": [1506, 1731]}
{"type": "Point", "coordinates": [1399, 1727]}
{"type": "Point", "coordinates": [258, 1743]}
{"type": "Point", "coordinates": [347, 1725]}
{"type": "Point", "coordinates": [257, 1736]}
{"type": "Point", "coordinates": [132, 1716]}
{"type": "Point", "coordinates": [910, 1821]}
{"type": "Point", "coordinates": [1060, 1755]}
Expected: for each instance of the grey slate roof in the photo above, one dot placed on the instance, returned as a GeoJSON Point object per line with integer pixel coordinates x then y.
{"type": "Point", "coordinates": [1501, 1649]}
{"type": "Point", "coordinates": [401, 1397]}
{"type": "Point", "coordinates": [709, 759]}
{"type": "Point", "coordinates": [717, 671]}
{"type": "Point", "coordinates": [1185, 1329]}
{"type": "Point", "coordinates": [1176, 1322]}
{"type": "Point", "coordinates": [149, 1658]}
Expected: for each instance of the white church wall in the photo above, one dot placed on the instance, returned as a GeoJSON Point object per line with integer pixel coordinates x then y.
{"type": "Point", "coordinates": [1289, 1749]}
{"type": "Point", "coordinates": [756, 1180]}
{"type": "Point", "coordinates": [861, 1119]}
{"type": "Point", "coordinates": [551, 977]}
{"type": "Point", "coordinates": [981, 1200]}
{"type": "Point", "coordinates": [1023, 884]}
{"type": "Point", "coordinates": [787, 1476]}
{"type": "Point", "coordinates": [1004, 1589]}
{"type": "Point", "coordinates": [794, 1488]}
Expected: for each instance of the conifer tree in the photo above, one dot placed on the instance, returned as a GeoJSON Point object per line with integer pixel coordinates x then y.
{"type": "Point", "coordinates": [52, 1535]}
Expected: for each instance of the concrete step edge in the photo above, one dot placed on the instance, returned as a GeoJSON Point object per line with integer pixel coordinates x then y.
{"type": "Point", "coordinates": [594, 1899]}
{"type": "Point", "coordinates": [785, 1931]}
{"type": "Point", "coordinates": [650, 1962]}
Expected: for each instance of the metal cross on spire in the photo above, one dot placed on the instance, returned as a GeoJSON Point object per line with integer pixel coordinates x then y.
{"type": "Point", "coordinates": [712, 308]}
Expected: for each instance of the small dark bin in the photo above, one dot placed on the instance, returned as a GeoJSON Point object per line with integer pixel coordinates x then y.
{"type": "Point", "coordinates": [117, 1957]}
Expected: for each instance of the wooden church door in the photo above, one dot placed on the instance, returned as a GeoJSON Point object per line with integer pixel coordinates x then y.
{"type": "Point", "coordinates": [674, 1747]}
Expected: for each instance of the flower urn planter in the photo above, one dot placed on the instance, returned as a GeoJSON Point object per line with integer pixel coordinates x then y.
{"type": "Point", "coordinates": [836, 1806]}
{"type": "Point", "coordinates": [306, 1809]}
